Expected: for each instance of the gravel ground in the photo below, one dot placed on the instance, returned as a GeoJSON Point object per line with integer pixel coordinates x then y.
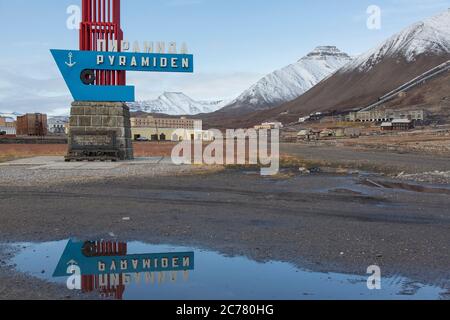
{"type": "Point", "coordinates": [319, 222]}
{"type": "Point", "coordinates": [440, 177]}
{"type": "Point", "coordinates": [322, 222]}
{"type": "Point", "coordinates": [422, 167]}
{"type": "Point", "coordinates": [23, 175]}
{"type": "Point", "coordinates": [32, 172]}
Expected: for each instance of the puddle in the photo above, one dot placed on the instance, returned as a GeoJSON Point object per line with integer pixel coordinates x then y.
{"type": "Point", "coordinates": [405, 187]}
{"type": "Point", "coordinates": [343, 184]}
{"type": "Point", "coordinates": [170, 272]}
{"type": "Point", "coordinates": [324, 182]}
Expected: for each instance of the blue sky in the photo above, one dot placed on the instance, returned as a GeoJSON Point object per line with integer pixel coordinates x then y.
{"type": "Point", "coordinates": [235, 42]}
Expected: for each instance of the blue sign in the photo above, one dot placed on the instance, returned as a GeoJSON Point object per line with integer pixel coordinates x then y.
{"type": "Point", "coordinates": [74, 65]}
{"type": "Point", "coordinates": [133, 263]}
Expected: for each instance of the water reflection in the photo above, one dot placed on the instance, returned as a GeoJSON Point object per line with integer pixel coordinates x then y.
{"type": "Point", "coordinates": [106, 267]}
{"type": "Point", "coordinates": [136, 270]}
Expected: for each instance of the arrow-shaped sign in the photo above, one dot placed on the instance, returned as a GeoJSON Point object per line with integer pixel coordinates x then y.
{"type": "Point", "coordinates": [119, 61]}
{"type": "Point", "coordinates": [133, 263]}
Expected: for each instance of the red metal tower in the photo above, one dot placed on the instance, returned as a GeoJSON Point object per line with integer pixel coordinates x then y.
{"type": "Point", "coordinates": [101, 21]}
{"type": "Point", "coordinates": [89, 283]}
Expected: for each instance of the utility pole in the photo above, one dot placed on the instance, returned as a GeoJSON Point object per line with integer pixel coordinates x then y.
{"type": "Point", "coordinates": [157, 130]}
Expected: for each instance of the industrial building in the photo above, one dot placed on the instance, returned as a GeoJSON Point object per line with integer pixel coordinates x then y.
{"type": "Point", "coordinates": [397, 125]}
{"type": "Point", "coordinates": [32, 124]}
{"type": "Point", "coordinates": [168, 129]}
{"type": "Point", "coordinates": [152, 122]}
{"type": "Point", "coordinates": [317, 134]}
{"type": "Point", "coordinates": [386, 115]}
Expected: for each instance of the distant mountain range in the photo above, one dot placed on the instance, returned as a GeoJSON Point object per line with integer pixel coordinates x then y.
{"type": "Point", "coordinates": [404, 56]}
{"type": "Point", "coordinates": [169, 103]}
{"type": "Point", "coordinates": [12, 115]}
{"type": "Point", "coordinates": [176, 103]}
{"type": "Point", "coordinates": [57, 120]}
{"type": "Point", "coordinates": [326, 79]}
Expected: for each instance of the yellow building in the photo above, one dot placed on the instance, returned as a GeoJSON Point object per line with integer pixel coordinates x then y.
{"type": "Point", "coordinates": [152, 122]}
{"type": "Point", "coordinates": [269, 126]}
{"type": "Point", "coordinates": [386, 115]}
{"type": "Point", "coordinates": [168, 129]}
{"type": "Point", "coordinates": [7, 126]}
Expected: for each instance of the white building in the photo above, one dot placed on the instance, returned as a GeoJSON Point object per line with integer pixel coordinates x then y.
{"type": "Point", "coordinates": [169, 129]}
{"type": "Point", "coordinates": [192, 135]}
{"type": "Point", "coordinates": [57, 125]}
{"type": "Point", "coordinates": [304, 119]}
{"type": "Point", "coordinates": [269, 126]}
{"type": "Point", "coordinates": [8, 130]}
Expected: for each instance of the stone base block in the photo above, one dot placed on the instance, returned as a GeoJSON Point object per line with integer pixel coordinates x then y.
{"type": "Point", "coordinates": [100, 128]}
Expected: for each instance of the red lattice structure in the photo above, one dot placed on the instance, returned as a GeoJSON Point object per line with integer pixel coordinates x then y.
{"type": "Point", "coordinates": [90, 283]}
{"type": "Point", "coordinates": [101, 21]}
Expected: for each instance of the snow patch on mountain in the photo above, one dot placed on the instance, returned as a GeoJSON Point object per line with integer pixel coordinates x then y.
{"type": "Point", "coordinates": [58, 119]}
{"type": "Point", "coordinates": [10, 115]}
{"type": "Point", "coordinates": [292, 81]}
{"type": "Point", "coordinates": [431, 35]}
{"type": "Point", "coordinates": [176, 103]}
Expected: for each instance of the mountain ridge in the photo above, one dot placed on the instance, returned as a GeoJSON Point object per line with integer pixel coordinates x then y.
{"type": "Point", "coordinates": [175, 103]}
{"type": "Point", "coordinates": [289, 82]}
{"type": "Point", "coordinates": [371, 75]}
{"type": "Point", "coordinates": [431, 35]}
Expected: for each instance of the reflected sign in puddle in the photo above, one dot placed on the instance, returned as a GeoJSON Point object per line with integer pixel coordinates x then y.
{"type": "Point", "coordinates": [136, 270]}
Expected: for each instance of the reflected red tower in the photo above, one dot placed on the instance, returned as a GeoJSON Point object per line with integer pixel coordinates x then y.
{"type": "Point", "coordinates": [101, 21]}
{"type": "Point", "coordinates": [90, 283]}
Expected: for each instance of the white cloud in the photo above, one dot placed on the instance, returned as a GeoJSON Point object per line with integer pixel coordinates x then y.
{"type": "Point", "coordinates": [200, 86]}
{"type": "Point", "coordinates": [42, 89]}
{"type": "Point", "coordinates": [401, 8]}
{"type": "Point", "coordinates": [20, 93]}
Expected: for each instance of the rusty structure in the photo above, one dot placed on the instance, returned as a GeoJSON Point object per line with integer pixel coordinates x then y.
{"type": "Point", "coordinates": [32, 124]}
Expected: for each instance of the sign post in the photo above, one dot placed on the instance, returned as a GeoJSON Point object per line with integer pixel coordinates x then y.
{"type": "Point", "coordinates": [96, 78]}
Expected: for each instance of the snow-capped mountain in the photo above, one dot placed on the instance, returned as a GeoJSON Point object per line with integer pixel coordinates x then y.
{"type": "Point", "coordinates": [430, 36]}
{"type": "Point", "coordinates": [176, 103]}
{"type": "Point", "coordinates": [292, 81]}
{"type": "Point", "coordinates": [404, 56]}
{"type": "Point", "coordinates": [58, 119]}
{"type": "Point", "coordinates": [12, 115]}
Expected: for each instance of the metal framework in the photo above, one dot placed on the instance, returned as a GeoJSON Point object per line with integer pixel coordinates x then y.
{"type": "Point", "coordinates": [101, 21]}
{"type": "Point", "coordinates": [89, 283]}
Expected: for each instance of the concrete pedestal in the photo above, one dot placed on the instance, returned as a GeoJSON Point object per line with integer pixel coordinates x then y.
{"type": "Point", "coordinates": [100, 131]}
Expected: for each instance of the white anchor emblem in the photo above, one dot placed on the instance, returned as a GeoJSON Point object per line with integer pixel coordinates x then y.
{"type": "Point", "coordinates": [72, 263]}
{"type": "Point", "coordinates": [70, 64]}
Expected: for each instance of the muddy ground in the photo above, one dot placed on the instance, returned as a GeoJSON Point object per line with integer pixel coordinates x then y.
{"type": "Point", "coordinates": [380, 161]}
{"type": "Point", "coordinates": [323, 222]}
